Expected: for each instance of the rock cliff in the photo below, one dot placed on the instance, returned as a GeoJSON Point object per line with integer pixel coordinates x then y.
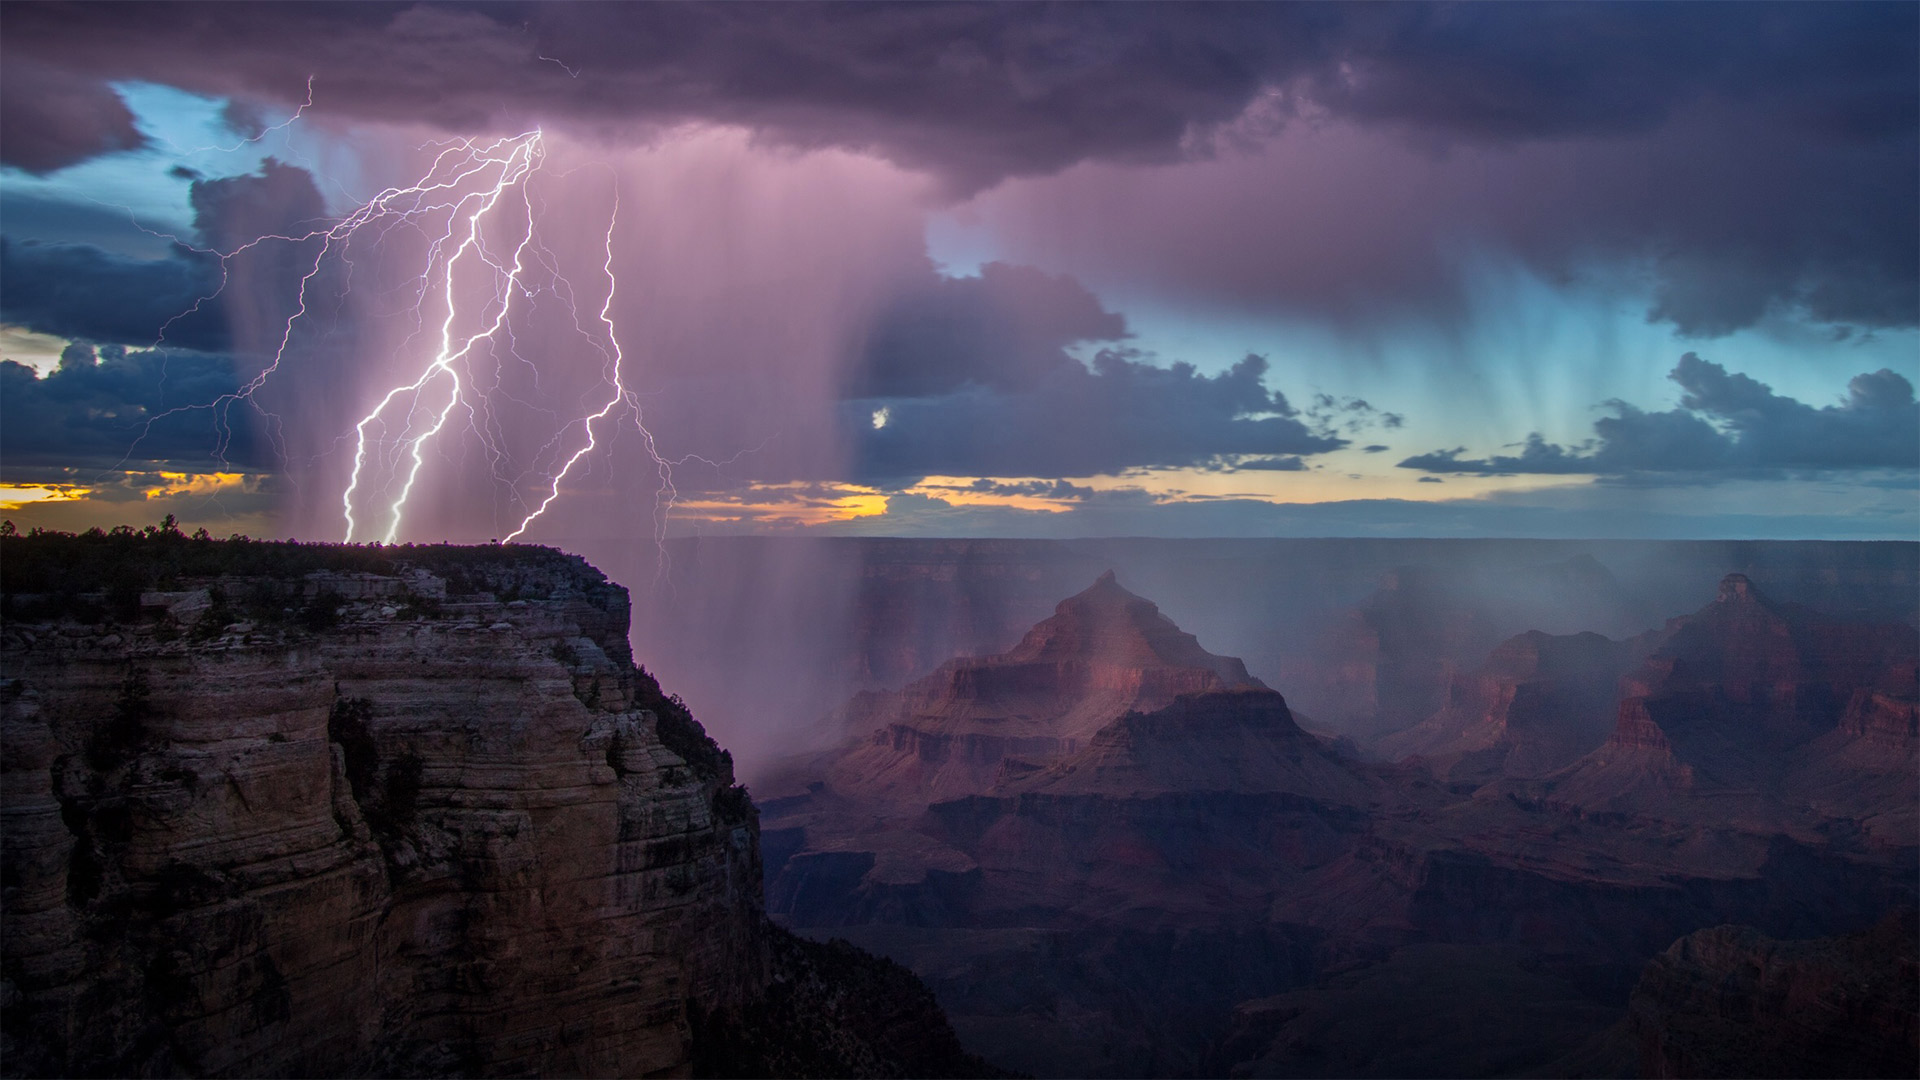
{"type": "Point", "coordinates": [277, 809]}
{"type": "Point", "coordinates": [1763, 713]}
{"type": "Point", "coordinates": [1730, 1001]}
{"type": "Point", "coordinates": [1538, 703]}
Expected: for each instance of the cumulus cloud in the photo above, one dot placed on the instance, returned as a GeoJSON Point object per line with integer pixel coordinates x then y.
{"type": "Point", "coordinates": [1270, 464]}
{"type": "Point", "coordinates": [1047, 489]}
{"type": "Point", "coordinates": [1727, 422]}
{"type": "Point", "coordinates": [104, 406]}
{"type": "Point", "coordinates": [1123, 413]}
{"type": "Point", "coordinates": [52, 116]}
{"type": "Point", "coordinates": [85, 291]}
{"type": "Point", "coordinates": [1329, 415]}
{"type": "Point", "coordinates": [1006, 329]}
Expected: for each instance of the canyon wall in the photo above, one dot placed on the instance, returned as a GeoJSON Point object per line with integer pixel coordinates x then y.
{"type": "Point", "coordinates": [413, 814]}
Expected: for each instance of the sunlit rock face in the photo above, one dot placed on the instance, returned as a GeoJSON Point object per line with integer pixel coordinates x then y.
{"type": "Point", "coordinates": [422, 821]}
{"type": "Point", "coordinates": [1103, 653]}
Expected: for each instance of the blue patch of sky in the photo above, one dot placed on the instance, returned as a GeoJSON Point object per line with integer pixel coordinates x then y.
{"type": "Point", "coordinates": [99, 200]}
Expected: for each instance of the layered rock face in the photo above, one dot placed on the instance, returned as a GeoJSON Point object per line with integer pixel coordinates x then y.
{"type": "Point", "coordinates": [1730, 1001]}
{"type": "Point", "coordinates": [1764, 712]}
{"type": "Point", "coordinates": [279, 809]}
{"type": "Point", "coordinates": [445, 832]}
{"type": "Point", "coordinates": [1104, 652]}
{"type": "Point", "coordinates": [1538, 703]}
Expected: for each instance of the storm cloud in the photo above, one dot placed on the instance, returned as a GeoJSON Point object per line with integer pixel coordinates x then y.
{"type": "Point", "coordinates": [983, 91]}
{"type": "Point", "coordinates": [1758, 158]}
{"type": "Point", "coordinates": [1123, 413]}
{"type": "Point", "coordinates": [185, 298]}
{"type": "Point", "coordinates": [1726, 423]}
{"type": "Point", "coordinates": [1006, 328]}
{"type": "Point", "coordinates": [52, 117]}
{"type": "Point", "coordinates": [100, 408]}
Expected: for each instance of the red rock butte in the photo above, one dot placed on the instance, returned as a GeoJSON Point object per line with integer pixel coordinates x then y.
{"type": "Point", "coordinates": [1104, 652]}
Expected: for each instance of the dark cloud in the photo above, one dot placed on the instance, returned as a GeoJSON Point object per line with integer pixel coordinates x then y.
{"type": "Point", "coordinates": [235, 210]}
{"type": "Point", "coordinates": [212, 326]}
{"type": "Point", "coordinates": [1007, 329]}
{"type": "Point", "coordinates": [1124, 413]}
{"type": "Point", "coordinates": [1375, 448]}
{"type": "Point", "coordinates": [184, 297]}
{"type": "Point", "coordinates": [1052, 489]}
{"type": "Point", "coordinates": [53, 116]}
{"type": "Point", "coordinates": [981, 91]}
{"type": "Point", "coordinates": [81, 291]}
{"type": "Point", "coordinates": [1270, 464]}
{"type": "Point", "coordinates": [1727, 422]}
{"type": "Point", "coordinates": [1556, 70]}
{"type": "Point", "coordinates": [1760, 157]}
{"type": "Point", "coordinates": [100, 407]}
{"type": "Point", "coordinates": [29, 216]}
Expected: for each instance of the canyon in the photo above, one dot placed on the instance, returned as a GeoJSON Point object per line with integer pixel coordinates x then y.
{"type": "Point", "coordinates": [1128, 897]}
{"type": "Point", "coordinates": [1443, 808]}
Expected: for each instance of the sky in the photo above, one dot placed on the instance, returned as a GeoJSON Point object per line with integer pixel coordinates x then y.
{"type": "Point", "coordinates": [592, 273]}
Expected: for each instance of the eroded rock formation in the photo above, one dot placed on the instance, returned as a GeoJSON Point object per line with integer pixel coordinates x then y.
{"type": "Point", "coordinates": [1765, 714]}
{"type": "Point", "coordinates": [1104, 651]}
{"type": "Point", "coordinates": [1730, 1001]}
{"type": "Point", "coordinates": [1102, 910]}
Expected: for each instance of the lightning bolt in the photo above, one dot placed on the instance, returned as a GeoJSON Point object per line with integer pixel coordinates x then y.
{"type": "Point", "coordinates": [620, 395]}
{"type": "Point", "coordinates": [523, 157]}
{"type": "Point", "coordinates": [473, 192]}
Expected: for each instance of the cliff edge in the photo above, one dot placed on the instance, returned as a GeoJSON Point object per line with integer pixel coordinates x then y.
{"type": "Point", "coordinates": [278, 809]}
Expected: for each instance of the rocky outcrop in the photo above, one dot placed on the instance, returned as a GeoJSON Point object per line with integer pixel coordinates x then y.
{"type": "Point", "coordinates": [1413, 649]}
{"type": "Point", "coordinates": [1760, 712]}
{"type": "Point", "coordinates": [1537, 704]}
{"type": "Point", "coordinates": [1239, 741]}
{"type": "Point", "coordinates": [421, 819]}
{"type": "Point", "coordinates": [1104, 652]}
{"type": "Point", "coordinates": [1730, 1001]}
{"type": "Point", "coordinates": [278, 809]}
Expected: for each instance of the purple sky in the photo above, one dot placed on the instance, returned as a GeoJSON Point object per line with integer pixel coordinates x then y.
{"type": "Point", "coordinates": [1317, 269]}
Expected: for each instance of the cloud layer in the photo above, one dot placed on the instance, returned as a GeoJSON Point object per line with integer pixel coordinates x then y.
{"type": "Point", "coordinates": [1726, 423]}
{"type": "Point", "coordinates": [1122, 414]}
